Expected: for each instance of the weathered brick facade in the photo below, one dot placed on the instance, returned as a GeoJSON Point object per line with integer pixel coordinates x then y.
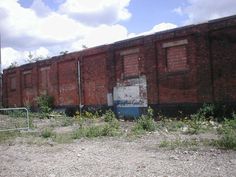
{"type": "Point", "coordinates": [174, 69]}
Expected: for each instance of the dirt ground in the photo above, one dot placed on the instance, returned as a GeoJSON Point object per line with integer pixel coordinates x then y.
{"type": "Point", "coordinates": [117, 156]}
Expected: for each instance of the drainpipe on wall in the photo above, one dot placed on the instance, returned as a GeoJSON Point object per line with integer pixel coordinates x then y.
{"type": "Point", "coordinates": [211, 66]}
{"type": "Point", "coordinates": [79, 85]}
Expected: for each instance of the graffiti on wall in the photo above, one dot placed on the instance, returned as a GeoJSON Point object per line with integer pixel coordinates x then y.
{"type": "Point", "coordinates": [129, 96]}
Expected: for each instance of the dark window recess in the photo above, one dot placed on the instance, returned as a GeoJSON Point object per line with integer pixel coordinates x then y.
{"type": "Point", "coordinates": [131, 65]}
{"type": "Point", "coordinates": [28, 80]}
{"type": "Point", "coordinates": [13, 83]}
{"type": "Point", "coordinates": [176, 58]}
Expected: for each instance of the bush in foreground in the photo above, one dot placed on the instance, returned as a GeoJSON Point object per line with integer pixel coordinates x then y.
{"type": "Point", "coordinates": [227, 133]}
{"type": "Point", "coordinates": [145, 123]}
{"type": "Point", "coordinates": [95, 131]}
{"type": "Point", "coordinates": [110, 128]}
{"type": "Point", "coordinates": [47, 133]}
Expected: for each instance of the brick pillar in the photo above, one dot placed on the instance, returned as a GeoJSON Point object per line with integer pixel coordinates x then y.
{"type": "Point", "coordinates": [150, 66]}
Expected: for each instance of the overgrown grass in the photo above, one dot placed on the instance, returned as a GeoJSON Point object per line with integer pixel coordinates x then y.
{"type": "Point", "coordinates": [179, 144]}
{"type": "Point", "coordinates": [227, 133]}
{"type": "Point", "coordinates": [16, 113]}
{"type": "Point", "coordinates": [171, 125]}
{"type": "Point", "coordinates": [108, 125]}
{"type": "Point", "coordinates": [63, 138]}
{"type": "Point", "coordinates": [186, 144]}
{"type": "Point", "coordinates": [145, 123]}
{"type": "Point", "coordinates": [200, 122]}
{"type": "Point", "coordinates": [96, 131]}
{"type": "Point", "coordinates": [64, 121]}
{"type": "Point", "coordinates": [109, 116]}
{"type": "Point", "coordinates": [47, 133]}
{"type": "Point", "coordinates": [8, 135]}
{"type": "Point", "coordinates": [91, 115]}
{"type": "Point", "coordinates": [111, 127]}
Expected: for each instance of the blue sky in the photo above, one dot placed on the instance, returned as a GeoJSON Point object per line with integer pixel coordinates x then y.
{"type": "Point", "coordinates": [47, 27]}
{"type": "Point", "coordinates": [147, 13]}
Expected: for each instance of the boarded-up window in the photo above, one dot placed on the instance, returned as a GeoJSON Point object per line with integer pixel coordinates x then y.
{"type": "Point", "coordinates": [44, 77]}
{"type": "Point", "coordinates": [176, 54]}
{"type": "Point", "coordinates": [13, 83]}
{"type": "Point", "coordinates": [27, 76]}
{"type": "Point", "coordinates": [176, 58]}
{"type": "Point", "coordinates": [131, 65]}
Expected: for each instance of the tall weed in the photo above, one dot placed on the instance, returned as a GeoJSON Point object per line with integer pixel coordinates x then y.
{"type": "Point", "coordinates": [145, 123]}
{"type": "Point", "coordinates": [227, 134]}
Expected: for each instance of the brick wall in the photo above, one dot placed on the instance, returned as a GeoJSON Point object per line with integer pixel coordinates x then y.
{"type": "Point", "coordinates": [94, 79]}
{"type": "Point", "coordinates": [223, 55]}
{"type": "Point", "coordinates": [177, 76]}
{"type": "Point", "coordinates": [189, 65]}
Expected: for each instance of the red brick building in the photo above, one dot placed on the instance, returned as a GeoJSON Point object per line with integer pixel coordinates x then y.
{"type": "Point", "coordinates": [177, 69]}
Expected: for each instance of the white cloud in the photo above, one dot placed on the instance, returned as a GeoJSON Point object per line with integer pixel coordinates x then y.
{"type": "Point", "coordinates": [160, 27]}
{"type": "Point", "coordinates": [203, 10]}
{"type": "Point", "coordinates": [103, 34]}
{"type": "Point", "coordinates": [44, 32]}
{"type": "Point", "coordinates": [22, 28]}
{"type": "Point", "coordinates": [28, 29]}
{"type": "Point", "coordinates": [157, 28]}
{"type": "Point", "coordinates": [10, 55]}
{"type": "Point", "coordinates": [40, 52]}
{"type": "Point", "coordinates": [93, 12]}
{"type": "Point", "coordinates": [61, 28]}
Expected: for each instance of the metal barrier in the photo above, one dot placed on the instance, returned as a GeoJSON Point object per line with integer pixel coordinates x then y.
{"type": "Point", "coordinates": [27, 119]}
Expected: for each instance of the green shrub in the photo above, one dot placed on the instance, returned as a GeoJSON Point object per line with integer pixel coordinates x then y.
{"type": "Point", "coordinates": [216, 112]}
{"type": "Point", "coordinates": [194, 124]}
{"type": "Point", "coordinates": [88, 132]}
{"type": "Point", "coordinates": [47, 133]}
{"type": "Point", "coordinates": [110, 130]}
{"type": "Point", "coordinates": [138, 129]}
{"type": "Point", "coordinates": [145, 123]}
{"type": "Point", "coordinates": [91, 115]}
{"type": "Point", "coordinates": [206, 112]}
{"type": "Point", "coordinates": [171, 125]}
{"type": "Point", "coordinates": [150, 113]}
{"type": "Point", "coordinates": [80, 119]}
{"type": "Point", "coordinates": [199, 121]}
{"type": "Point", "coordinates": [114, 124]}
{"type": "Point", "coordinates": [179, 144]}
{"type": "Point", "coordinates": [109, 116]}
{"type": "Point", "coordinates": [45, 103]}
{"type": "Point", "coordinates": [17, 113]}
{"type": "Point", "coordinates": [227, 133]}
{"type": "Point", "coordinates": [96, 131]}
{"type": "Point", "coordinates": [228, 140]}
{"type": "Point", "coordinates": [93, 131]}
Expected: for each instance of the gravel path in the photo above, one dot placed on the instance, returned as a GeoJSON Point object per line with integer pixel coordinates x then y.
{"type": "Point", "coordinates": [113, 157]}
